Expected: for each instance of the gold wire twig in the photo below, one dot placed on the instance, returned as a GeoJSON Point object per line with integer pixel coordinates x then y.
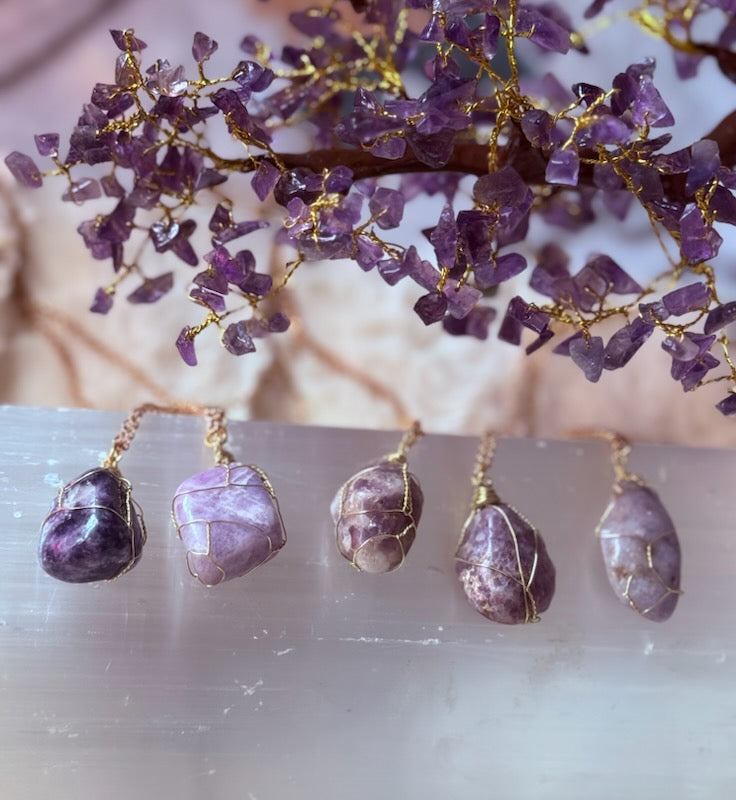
{"type": "Point", "coordinates": [410, 437]}
{"type": "Point", "coordinates": [215, 437]}
{"type": "Point", "coordinates": [484, 493]}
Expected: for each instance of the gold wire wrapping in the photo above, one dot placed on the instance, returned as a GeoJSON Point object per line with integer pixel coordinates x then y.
{"type": "Point", "coordinates": [484, 494]}
{"type": "Point", "coordinates": [409, 438]}
{"type": "Point", "coordinates": [131, 508]}
{"type": "Point", "coordinates": [265, 486]}
{"type": "Point", "coordinates": [620, 450]}
{"type": "Point", "coordinates": [407, 510]}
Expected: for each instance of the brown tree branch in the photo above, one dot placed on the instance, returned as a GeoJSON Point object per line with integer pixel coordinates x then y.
{"type": "Point", "coordinates": [472, 158]}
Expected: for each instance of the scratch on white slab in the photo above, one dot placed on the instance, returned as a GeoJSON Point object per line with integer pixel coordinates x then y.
{"type": "Point", "coordinates": [52, 479]}
{"type": "Point", "coordinates": [226, 711]}
{"type": "Point", "coordinates": [249, 691]}
{"type": "Point", "coordinates": [380, 640]}
{"type": "Point", "coordinates": [284, 652]}
{"type": "Point", "coordinates": [49, 606]}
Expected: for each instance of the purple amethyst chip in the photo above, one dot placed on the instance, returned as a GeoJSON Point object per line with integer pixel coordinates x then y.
{"type": "Point", "coordinates": [228, 518]}
{"type": "Point", "coordinates": [503, 565]}
{"type": "Point", "coordinates": [376, 513]}
{"type": "Point", "coordinates": [94, 531]}
{"type": "Point", "coordinates": [641, 551]}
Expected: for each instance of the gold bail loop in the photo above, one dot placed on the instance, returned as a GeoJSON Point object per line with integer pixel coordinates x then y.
{"type": "Point", "coordinates": [484, 493]}
{"type": "Point", "coordinates": [410, 437]}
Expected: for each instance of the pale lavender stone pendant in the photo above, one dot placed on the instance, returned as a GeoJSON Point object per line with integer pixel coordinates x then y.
{"type": "Point", "coordinates": [94, 531]}
{"type": "Point", "coordinates": [641, 551]}
{"type": "Point", "coordinates": [229, 519]}
{"type": "Point", "coordinates": [501, 560]}
{"type": "Point", "coordinates": [376, 512]}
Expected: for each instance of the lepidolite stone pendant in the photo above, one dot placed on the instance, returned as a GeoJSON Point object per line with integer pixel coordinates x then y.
{"type": "Point", "coordinates": [376, 513]}
{"type": "Point", "coordinates": [228, 518]}
{"type": "Point", "coordinates": [503, 565]}
{"type": "Point", "coordinates": [94, 531]}
{"type": "Point", "coordinates": [641, 551]}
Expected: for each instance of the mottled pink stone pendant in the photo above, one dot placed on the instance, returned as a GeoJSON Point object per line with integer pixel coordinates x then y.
{"type": "Point", "coordinates": [376, 512]}
{"type": "Point", "coordinates": [228, 518]}
{"type": "Point", "coordinates": [501, 560]}
{"type": "Point", "coordinates": [94, 531]}
{"type": "Point", "coordinates": [639, 544]}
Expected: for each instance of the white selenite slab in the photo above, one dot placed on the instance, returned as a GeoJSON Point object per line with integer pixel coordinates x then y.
{"type": "Point", "coordinates": [307, 679]}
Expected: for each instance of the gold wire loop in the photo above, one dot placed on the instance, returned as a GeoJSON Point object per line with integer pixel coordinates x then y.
{"type": "Point", "coordinates": [410, 437]}
{"type": "Point", "coordinates": [484, 493]}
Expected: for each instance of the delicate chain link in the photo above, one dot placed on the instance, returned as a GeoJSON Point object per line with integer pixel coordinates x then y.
{"type": "Point", "coordinates": [215, 437]}
{"type": "Point", "coordinates": [620, 450]}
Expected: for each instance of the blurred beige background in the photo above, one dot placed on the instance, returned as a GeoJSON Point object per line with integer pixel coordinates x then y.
{"type": "Point", "coordinates": [356, 355]}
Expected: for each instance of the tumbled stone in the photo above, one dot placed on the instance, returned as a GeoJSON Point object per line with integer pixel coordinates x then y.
{"type": "Point", "coordinates": [376, 514]}
{"type": "Point", "coordinates": [93, 532]}
{"type": "Point", "coordinates": [641, 551]}
{"type": "Point", "coordinates": [503, 565]}
{"type": "Point", "coordinates": [228, 518]}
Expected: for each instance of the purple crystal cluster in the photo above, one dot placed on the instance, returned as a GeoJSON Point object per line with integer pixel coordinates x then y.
{"type": "Point", "coordinates": [641, 551]}
{"type": "Point", "coordinates": [376, 514]}
{"type": "Point", "coordinates": [229, 521]}
{"type": "Point", "coordinates": [93, 531]}
{"type": "Point", "coordinates": [503, 565]}
{"type": "Point", "coordinates": [382, 134]}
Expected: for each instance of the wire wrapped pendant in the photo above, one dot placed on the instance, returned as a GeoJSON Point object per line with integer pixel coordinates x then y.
{"type": "Point", "coordinates": [94, 531]}
{"type": "Point", "coordinates": [376, 512]}
{"type": "Point", "coordinates": [501, 560]}
{"type": "Point", "coordinates": [639, 544]}
{"type": "Point", "coordinates": [229, 520]}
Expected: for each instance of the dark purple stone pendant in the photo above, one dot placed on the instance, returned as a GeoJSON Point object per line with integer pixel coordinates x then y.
{"type": "Point", "coordinates": [94, 531]}
{"type": "Point", "coordinates": [376, 512]}
{"type": "Point", "coordinates": [501, 559]}
{"type": "Point", "coordinates": [228, 518]}
{"type": "Point", "coordinates": [640, 548]}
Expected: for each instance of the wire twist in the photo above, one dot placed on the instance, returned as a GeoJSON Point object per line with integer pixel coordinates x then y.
{"type": "Point", "coordinates": [410, 437]}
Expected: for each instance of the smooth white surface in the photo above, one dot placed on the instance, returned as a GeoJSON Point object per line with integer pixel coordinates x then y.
{"type": "Point", "coordinates": [308, 680]}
